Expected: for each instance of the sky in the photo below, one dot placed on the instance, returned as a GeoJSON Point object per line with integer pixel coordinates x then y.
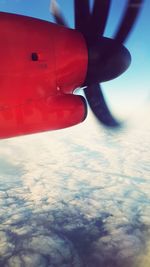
{"type": "Point", "coordinates": [130, 91]}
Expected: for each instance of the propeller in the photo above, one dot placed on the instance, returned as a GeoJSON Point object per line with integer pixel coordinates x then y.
{"type": "Point", "coordinates": [54, 9]}
{"type": "Point", "coordinates": [107, 58]}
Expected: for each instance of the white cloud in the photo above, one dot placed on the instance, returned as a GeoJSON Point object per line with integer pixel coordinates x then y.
{"type": "Point", "coordinates": [74, 192]}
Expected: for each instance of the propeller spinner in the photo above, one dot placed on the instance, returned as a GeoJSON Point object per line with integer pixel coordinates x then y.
{"type": "Point", "coordinates": [107, 58]}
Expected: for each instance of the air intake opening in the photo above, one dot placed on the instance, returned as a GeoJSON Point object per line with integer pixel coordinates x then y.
{"type": "Point", "coordinates": [34, 56]}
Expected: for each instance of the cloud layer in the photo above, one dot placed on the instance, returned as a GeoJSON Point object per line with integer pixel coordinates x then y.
{"type": "Point", "coordinates": [76, 198]}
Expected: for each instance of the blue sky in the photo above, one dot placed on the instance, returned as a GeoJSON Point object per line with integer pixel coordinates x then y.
{"type": "Point", "coordinates": [133, 87]}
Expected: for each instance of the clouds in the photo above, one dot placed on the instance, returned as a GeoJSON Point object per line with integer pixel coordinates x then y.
{"type": "Point", "coordinates": [78, 197]}
{"type": "Point", "coordinates": [27, 259]}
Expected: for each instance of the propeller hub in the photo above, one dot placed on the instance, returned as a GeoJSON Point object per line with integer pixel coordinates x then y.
{"type": "Point", "coordinates": [107, 59]}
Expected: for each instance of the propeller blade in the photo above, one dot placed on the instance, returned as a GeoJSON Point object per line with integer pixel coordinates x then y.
{"type": "Point", "coordinates": [82, 15]}
{"type": "Point", "coordinates": [99, 107]}
{"type": "Point", "coordinates": [54, 9]}
{"type": "Point", "coordinates": [99, 16]}
{"type": "Point", "coordinates": [129, 18]}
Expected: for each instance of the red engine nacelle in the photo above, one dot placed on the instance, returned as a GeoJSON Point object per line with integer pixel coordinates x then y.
{"type": "Point", "coordinates": [41, 65]}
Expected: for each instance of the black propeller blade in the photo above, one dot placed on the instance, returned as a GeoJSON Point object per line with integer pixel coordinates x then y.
{"type": "Point", "coordinates": [54, 9]}
{"type": "Point", "coordinates": [107, 58]}
{"type": "Point", "coordinates": [82, 15]}
{"type": "Point", "coordinates": [98, 105]}
{"type": "Point", "coordinates": [99, 17]}
{"type": "Point", "coordinates": [130, 16]}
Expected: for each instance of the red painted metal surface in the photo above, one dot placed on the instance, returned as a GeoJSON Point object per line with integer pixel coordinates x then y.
{"type": "Point", "coordinates": [41, 65]}
{"type": "Point", "coordinates": [52, 113]}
